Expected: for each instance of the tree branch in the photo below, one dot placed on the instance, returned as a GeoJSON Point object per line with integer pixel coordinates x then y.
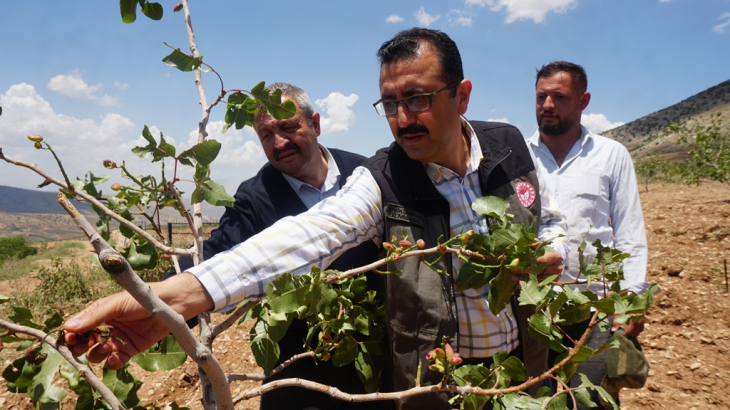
{"type": "Point", "coordinates": [61, 348]}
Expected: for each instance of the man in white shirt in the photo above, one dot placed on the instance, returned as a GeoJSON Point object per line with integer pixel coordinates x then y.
{"type": "Point", "coordinates": [593, 180]}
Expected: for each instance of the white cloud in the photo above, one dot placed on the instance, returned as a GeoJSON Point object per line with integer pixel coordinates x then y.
{"type": "Point", "coordinates": [597, 123]}
{"type": "Point", "coordinates": [720, 28]}
{"type": "Point", "coordinates": [79, 142]}
{"type": "Point", "coordinates": [109, 100]}
{"type": "Point", "coordinates": [425, 19]}
{"type": "Point", "coordinates": [240, 156]}
{"type": "Point", "coordinates": [460, 17]}
{"type": "Point", "coordinates": [72, 85]}
{"type": "Point", "coordinates": [394, 18]}
{"type": "Point", "coordinates": [504, 119]}
{"type": "Point", "coordinates": [525, 9]}
{"type": "Point", "coordinates": [121, 86]}
{"type": "Point", "coordinates": [664, 1]}
{"type": "Point", "coordinates": [340, 116]}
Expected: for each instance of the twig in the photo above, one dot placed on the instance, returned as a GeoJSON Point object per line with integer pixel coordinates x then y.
{"type": "Point", "coordinates": [83, 370]}
{"type": "Point", "coordinates": [260, 377]}
{"type": "Point", "coordinates": [232, 318]}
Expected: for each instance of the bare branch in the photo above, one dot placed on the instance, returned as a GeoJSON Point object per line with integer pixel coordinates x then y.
{"type": "Point", "coordinates": [83, 369]}
{"type": "Point", "coordinates": [233, 317]}
{"type": "Point", "coordinates": [122, 273]}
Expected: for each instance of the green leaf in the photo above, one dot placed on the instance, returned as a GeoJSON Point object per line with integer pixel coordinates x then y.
{"type": "Point", "coordinates": [515, 369]}
{"type": "Point", "coordinates": [53, 322]}
{"type": "Point", "coordinates": [142, 256]}
{"type": "Point", "coordinates": [156, 151]}
{"type": "Point", "coordinates": [152, 10]}
{"type": "Point", "coordinates": [543, 331]}
{"type": "Point", "coordinates": [272, 102]}
{"type": "Point", "coordinates": [212, 193]}
{"type": "Point", "coordinates": [182, 61]}
{"type": "Point", "coordinates": [288, 293]}
{"type": "Point", "coordinates": [266, 352]}
{"type": "Point", "coordinates": [345, 353]}
{"type": "Point", "coordinates": [42, 391]}
{"type": "Point", "coordinates": [240, 111]}
{"type": "Point", "coordinates": [167, 354]}
{"type": "Point", "coordinates": [474, 275]}
{"type": "Point", "coordinates": [128, 10]}
{"type": "Point", "coordinates": [203, 153]}
{"type": "Point", "coordinates": [19, 375]}
{"type": "Point", "coordinates": [583, 396]}
{"type": "Point", "coordinates": [369, 367]}
{"type": "Point", "coordinates": [601, 392]}
{"type": "Point", "coordinates": [278, 324]}
{"type": "Point", "coordinates": [23, 316]}
{"type": "Point", "coordinates": [490, 206]}
{"type": "Point", "coordinates": [4, 299]}
{"type": "Point", "coordinates": [123, 385]}
{"type": "Point", "coordinates": [531, 293]}
{"type": "Point", "coordinates": [501, 289]}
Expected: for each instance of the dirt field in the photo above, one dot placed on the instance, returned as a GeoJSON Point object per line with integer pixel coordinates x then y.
{"type": "Point", "coordinates": [687, 338]}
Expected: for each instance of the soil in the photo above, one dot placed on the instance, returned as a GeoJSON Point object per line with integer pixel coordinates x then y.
{"type": "Point", "coordinates": [686, 340]}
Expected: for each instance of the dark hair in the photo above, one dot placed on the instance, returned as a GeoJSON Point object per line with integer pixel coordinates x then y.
{"type": "Point", "coordinates": [579, 79]}
{"type": "Point", "coordinates": [406, 44]}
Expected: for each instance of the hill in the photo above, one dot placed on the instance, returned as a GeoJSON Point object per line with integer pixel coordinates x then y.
{"type": "Point", "coordinates": [17, 200]}
{"type": "Point", "coordinates": [37, 216]}
{"type": "Point", "coordinates": [646, 135]}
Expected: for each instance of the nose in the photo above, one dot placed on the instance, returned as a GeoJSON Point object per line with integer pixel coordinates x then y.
{"type": "Point", "coordinates": [548, 104]}
{"type": "Point", "coordinates": [280, 141]}
{"type": "Point", "coordinates": [404, 116]}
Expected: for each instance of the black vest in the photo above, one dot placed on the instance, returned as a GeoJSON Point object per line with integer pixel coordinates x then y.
{"type": "Point", "coordinates": [420, 302]}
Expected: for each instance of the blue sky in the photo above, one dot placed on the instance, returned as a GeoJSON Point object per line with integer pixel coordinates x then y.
{"type": "Point", "coordinates": [74, 73]}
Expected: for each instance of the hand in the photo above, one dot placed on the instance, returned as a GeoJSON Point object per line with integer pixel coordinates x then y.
{"type": "Point", "coordinates": [632, 329]}
{"type": "Point", "coordinates": [134, 329]}
{"type": "Point", "coordinates": [554, 262]}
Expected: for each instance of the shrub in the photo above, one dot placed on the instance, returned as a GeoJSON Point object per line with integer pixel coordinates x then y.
{"type": "Point", "coordinates": [15, 247]}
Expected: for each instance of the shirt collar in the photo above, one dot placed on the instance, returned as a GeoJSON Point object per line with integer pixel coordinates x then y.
{"type": "Point", "coordinates": [585, 136]}
{"type": "Point", "coordinates": [332, 180]}
{"type": "Point", "coordinates": [436, 172]}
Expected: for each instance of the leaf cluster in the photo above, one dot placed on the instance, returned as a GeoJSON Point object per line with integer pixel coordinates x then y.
{"type": "Point", "coordinates": [709, 152]}
{"type": "Point", "coordinates": [39, 371]}
{"type": "Point", "coordinates": [346, 322]}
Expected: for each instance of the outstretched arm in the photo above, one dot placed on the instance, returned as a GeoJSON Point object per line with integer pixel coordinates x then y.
{"type": "Point", "coordinates": [134, 329]}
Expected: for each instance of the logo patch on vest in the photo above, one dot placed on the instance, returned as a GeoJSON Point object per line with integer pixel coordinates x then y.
{"type": "Point", "coordinates": [525, 193]}
{"type": "Point", "coordinates": [403, 214]}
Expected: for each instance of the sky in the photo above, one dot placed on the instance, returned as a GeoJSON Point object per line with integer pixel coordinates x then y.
{"type": "Point", "coordinates": [88, 83]}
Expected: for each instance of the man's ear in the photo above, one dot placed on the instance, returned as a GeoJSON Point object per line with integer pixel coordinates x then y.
{"type": "Point", "coordinates": [584, 100]}
{"type": "Point", "coordinates": [463, 91]}
{"type": "Point", "coordinates": [315, 123]}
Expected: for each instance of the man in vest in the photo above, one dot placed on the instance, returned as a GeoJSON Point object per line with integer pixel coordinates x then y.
{"type": "Point", "coordinates": [594, 182]}
{"type": "Point", "coordinates": [300, 173]}
{"type": "Point", "coordinates": [421, 186]}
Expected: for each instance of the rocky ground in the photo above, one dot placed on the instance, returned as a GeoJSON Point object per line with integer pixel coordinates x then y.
{"type": "Point", "coordinates": [687, 338]}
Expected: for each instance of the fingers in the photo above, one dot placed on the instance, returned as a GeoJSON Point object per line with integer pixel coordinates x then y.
{"type": "Point", "coordinates": [99, 312]}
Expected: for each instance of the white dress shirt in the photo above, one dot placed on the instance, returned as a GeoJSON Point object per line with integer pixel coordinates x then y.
{"type": "Point", "coordinates": [597, 191]}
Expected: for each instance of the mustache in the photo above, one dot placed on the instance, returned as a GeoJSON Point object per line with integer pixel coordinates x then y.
{"type": "Point", "coordinates": [547, 112]}
{"type": "Point", "coordinates": [288, 147]}
{"type": "Point", "coordinates": [412, 129]}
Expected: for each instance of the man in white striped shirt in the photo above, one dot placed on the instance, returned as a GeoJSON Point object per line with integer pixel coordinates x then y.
{"type": "Point", "coordinates": [454, 161]}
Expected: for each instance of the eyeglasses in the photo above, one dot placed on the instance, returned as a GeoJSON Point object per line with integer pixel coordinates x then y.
{"type": "Point", "coordinates": [414, 103]}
